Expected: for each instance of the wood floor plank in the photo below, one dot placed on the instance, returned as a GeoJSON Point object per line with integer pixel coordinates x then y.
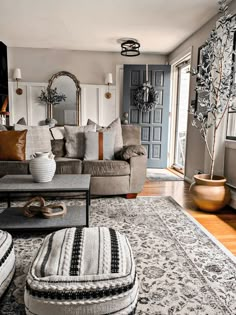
{"type": "Point", "coordinates": [222, 224]}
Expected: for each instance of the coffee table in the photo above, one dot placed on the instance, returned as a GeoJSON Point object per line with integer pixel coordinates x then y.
{"type": "Point", "coordinates": [12, 218]}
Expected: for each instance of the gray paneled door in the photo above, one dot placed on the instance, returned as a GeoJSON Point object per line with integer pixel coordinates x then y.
{"type": "Point", "coordinates": [154, 124]}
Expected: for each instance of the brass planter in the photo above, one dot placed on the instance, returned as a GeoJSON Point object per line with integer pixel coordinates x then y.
{"type": "Point", "coordinates": [210, 194]}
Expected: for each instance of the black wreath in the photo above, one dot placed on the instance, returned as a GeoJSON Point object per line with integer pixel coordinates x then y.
{"type": "Point", "coordinates": [141, 103]}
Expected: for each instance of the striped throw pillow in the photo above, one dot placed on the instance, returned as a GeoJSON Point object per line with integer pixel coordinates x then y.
{"type": "Point", "coordinates": [99, 145]}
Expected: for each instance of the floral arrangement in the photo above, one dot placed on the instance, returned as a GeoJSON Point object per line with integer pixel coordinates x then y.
{"type": "Point", "coordinates": [51, 96]}
{"type": "Point", "coordinates": [214, 84]}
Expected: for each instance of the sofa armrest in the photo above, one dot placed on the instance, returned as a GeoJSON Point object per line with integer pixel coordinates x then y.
{"type": "Point", "coordinates": [138, 166]}
{"type": "Point", "coordinates": [131, 151]}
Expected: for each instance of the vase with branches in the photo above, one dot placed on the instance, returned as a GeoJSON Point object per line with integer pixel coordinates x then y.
{"type": "Point", "coordinates": [214, 81]}
{"type": "Point", "coordinates": [51, 97]}
{"type": "Point", "coordinates": [216, 95]}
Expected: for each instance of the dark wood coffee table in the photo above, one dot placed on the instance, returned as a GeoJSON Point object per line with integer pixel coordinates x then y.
{"type": "Point", "coordinates": [12, 218]}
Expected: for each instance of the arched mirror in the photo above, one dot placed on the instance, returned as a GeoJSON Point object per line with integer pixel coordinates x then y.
{"type": "Point", "coordinates": [66, 112]}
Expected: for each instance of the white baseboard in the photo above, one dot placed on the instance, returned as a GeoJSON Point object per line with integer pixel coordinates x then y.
{"type": "Point", "coordinates": [188, 180]}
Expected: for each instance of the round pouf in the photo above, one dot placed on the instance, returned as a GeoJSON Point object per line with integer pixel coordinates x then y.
{"type": "Point", "coordinates": [42, 167]}
{"type": "Point", "coordinates": [7, 261]}
{"type": "Point", "coordinates": [82, 271]}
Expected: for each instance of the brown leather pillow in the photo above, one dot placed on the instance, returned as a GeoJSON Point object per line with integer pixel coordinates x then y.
{"type": "Point", "coordinates": [12, 145]}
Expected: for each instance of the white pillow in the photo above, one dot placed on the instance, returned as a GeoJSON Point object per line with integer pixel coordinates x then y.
{"type": "Point", "coordinates": [99, 145]}
{"type": "Point", "coordinates": [58, 132]}
{"type": "Point", "coordinates": [115, 126]}
{"type": "Point", "coordinates": [38, 139]}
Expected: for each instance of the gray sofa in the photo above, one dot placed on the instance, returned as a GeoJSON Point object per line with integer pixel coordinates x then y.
{"type": "Point", "coordinates": [108, 177]}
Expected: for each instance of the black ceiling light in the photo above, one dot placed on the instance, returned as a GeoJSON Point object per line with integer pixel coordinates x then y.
{"type": "Point", "coordinates": [130, 48]}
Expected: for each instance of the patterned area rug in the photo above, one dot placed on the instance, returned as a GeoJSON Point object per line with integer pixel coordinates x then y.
{"type": "Point", "coordinates": [181, 268]}
{"type": "Point", "coordinates": [162, 175]}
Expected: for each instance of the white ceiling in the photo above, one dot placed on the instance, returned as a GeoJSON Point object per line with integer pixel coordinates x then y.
{"type": "Point", "coordinates": [159, 25]}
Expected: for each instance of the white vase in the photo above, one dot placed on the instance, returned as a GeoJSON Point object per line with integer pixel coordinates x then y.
{"type": "Point", "coordinates": [42, 167]}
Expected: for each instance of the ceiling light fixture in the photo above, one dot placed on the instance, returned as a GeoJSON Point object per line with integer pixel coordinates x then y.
{"type": "Point", "coordinates": [130, 48]}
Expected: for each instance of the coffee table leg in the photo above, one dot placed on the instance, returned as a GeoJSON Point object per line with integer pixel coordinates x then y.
{"type": "Point", "coordinates": [87, 208]}
{"type": "Point", "coordinates": [8, 200]}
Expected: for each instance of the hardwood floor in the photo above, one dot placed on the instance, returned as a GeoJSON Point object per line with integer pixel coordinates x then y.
{"type": "Point", "coordinates": [222, 224]}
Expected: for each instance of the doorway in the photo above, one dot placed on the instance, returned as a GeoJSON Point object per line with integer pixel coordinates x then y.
{"type": "Point", "coordinates": [153, 123]}
{"type": "Point", "coordinates": [182, 101]}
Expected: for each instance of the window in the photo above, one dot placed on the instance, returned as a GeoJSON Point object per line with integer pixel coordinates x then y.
{"type": "Point", "coordinates": [231, 124]}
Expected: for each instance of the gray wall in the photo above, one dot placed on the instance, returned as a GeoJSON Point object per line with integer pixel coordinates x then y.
{"type": "Point", "coordinates": [38, 65]}
{"type": "Point", "coordinates": [195, 150]}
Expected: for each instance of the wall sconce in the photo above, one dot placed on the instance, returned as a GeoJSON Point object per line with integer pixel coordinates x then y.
{"type": "Point", "coordinates": [108, 81]}
{"type": "Point", "coordinates": [17, 77]}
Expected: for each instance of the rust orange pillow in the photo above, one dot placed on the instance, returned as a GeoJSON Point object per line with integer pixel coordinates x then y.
{"type": "Point", "coordinates": [12, 145]}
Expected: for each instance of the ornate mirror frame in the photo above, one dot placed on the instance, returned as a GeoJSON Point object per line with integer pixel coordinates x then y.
{"type": "Point", "coordinates": [77, 85]}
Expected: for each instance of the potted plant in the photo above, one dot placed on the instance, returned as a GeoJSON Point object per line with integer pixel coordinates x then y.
{"type": "Point", "coordinates": [51, 97]}
{"type": "Point", "coordinates": [215, 90]}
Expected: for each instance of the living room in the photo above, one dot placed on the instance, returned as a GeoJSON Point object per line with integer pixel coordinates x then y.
{"type": "Point", "coordinates": [46, 42]}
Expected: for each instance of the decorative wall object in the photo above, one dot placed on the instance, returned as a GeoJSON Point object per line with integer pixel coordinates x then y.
{"type": "Point", "coordinates": [17, 76]}
{"type": "Point", "coordinates": [108, 81]}
{"type": "Point", "coordinates": [93, 104]}
{"type": "Point", "coordinates": [75, 111]}
{"type": "Point", "coordinates": [145, 97]}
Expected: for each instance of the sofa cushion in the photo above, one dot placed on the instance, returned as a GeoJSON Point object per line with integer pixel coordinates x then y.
{"type": "Point", "coordinates": [75, 142]}
{"type": "Point", "coordinates": [115, 126]}
{"type": "Point", "coordinates": [68, 166]}
{"type": "Point", "coordinates": [106, 168]}
{"type": "Point", "coordinates": [38, 139]}
{"type": "Point", "coordinates": [99, 145]}
{"type": "Point", "coordinates": [14, 167]}
{"type": "Point", "coordinates": [12, 145]}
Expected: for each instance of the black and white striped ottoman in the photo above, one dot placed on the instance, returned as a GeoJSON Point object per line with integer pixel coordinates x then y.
{"type": "Point", "coordinates": [82, 271]}
{"type": "Point", "coordinates": [7, 260]}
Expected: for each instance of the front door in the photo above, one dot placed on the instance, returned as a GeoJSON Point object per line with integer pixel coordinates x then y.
{"type": "Point", "coordinates": [154, 124]}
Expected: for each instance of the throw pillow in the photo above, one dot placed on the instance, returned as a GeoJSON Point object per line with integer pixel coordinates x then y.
{"type": "Point", "coordinates": [74, 136]}
{"type": "Point", "coordinates": [115, 126]}
{"type": "Point", "coordinates": [57, 132]}
{"type": "Point", "coordinates": [21, 121]}
{"type": "Point", "coordinates": [58, 147]}
{"type": "Point", "coordinates": [38, 139]}
{"type": "Point", "coordinates": [130, 151]}
{"type": "Point", "coordinates": [12, 145]}
{"type": "Point", "coordinates": [99, 145]}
